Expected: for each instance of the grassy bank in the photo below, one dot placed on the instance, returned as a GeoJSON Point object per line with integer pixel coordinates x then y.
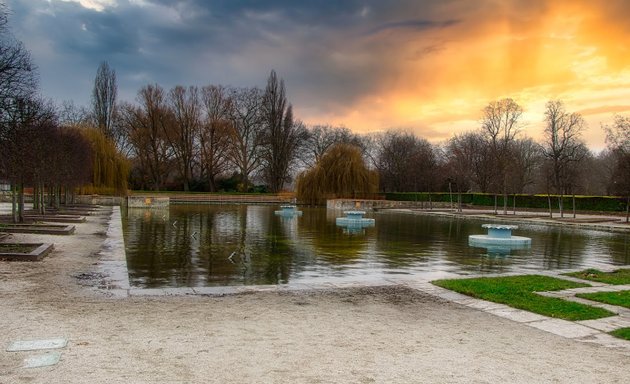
{"type": "Point", "coordinates": [519, 292]}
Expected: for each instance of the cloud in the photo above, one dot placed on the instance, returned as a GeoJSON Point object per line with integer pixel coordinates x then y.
{"type": "Point", "coordinates": [419, 64]}
{"type": "Point", "coordinates": [413, 25]}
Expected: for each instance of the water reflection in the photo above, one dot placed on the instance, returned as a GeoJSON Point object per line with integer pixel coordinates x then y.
{"type": "Point", "coordinates": [234, 245]}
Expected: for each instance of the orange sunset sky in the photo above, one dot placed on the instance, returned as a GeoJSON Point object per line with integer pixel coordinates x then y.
{"type": "Point", "coordinates": [437, 83]}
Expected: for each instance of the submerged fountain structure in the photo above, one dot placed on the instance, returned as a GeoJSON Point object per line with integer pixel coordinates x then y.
{"type": "Point", "coordinates": [288, 211]}
{"type": "Point", "coordinates": [354, 222]}
{"type": "Point", "coordinates": [499, 239]}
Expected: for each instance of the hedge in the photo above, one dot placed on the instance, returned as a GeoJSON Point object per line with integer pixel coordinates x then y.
{"type": "Point", "coordinates": [582, 203]}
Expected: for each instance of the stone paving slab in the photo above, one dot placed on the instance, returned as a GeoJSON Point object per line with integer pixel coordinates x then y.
{"type": "Point", "coordinates": [606, 340]}
{"type": "Point", "coordinates": [453, 296]}
{"type": "Point", "coordinates": [44, 360]}
{"type": "Point", "coordinates": [619, 288]}
{"type": "Point", "coordinates": [576, 280]}
{"type": "Point", "coordinates": [483, 305]}
{"type": "Point", "coordinates": [607, 324]}
{"type": "Point", "coordinates": [612, 308]}
{"type": "Point", "coordinates": [564, 328]}
{"type": "Point", "coordinates": [517, 315]}
{"type": "Point", "coordinates": [36, 345]}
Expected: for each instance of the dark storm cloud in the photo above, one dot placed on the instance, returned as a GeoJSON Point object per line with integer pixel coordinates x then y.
{"type": "Point", "coordinates": [417, 25]}
{"type": "Point", "coordinates": [325, 51]}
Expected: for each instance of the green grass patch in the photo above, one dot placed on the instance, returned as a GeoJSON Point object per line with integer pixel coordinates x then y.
{"type": "Point", "coordinates": [621, 298]}
{"type": "Point", "coordinates": [518, 292]}
{"type": "Point", "coordinates": [622, 333]}
{"type": "Point", "coordinates": [618, 277]}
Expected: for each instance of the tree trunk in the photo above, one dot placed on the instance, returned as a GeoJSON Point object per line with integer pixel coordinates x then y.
{"type": "Point", "coordinates": [505, 201]}
{"type": "Point", "coordinates": [560, 205]}
{"type": "Point", "coordinates": [42, 201]}
{"type": "Point", "coordinates": [36, 197]}
{"type": "Point", "coordinates": [574, 205]}
{"type": "Point", "coordinates": [550, 209]}
{"type": "Point", "coordinates": [57, 196]}
{"type": "Point", "coordinates": [514, 204]}
{"type": "Point", "coordinates": [628, 209]}
{"type": "Point", "coordinates": [496, 204]}
{"type": "Point", "coordinates": [21, 203]}
{"type": "Point", "coordinates": [14, 203]}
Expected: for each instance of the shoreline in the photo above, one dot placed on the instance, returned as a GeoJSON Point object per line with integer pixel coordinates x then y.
{"type": "Point", "coordinates": [398, 332]}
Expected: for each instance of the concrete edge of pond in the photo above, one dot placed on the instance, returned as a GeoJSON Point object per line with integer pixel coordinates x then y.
{"type": "Point", "coordinates": [112, 262]}
{"type": "Point", "coordinates": [607, 223]}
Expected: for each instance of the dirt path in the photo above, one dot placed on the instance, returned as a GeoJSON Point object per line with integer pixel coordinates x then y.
{"type": "Point", "coordinates": [381, 335]}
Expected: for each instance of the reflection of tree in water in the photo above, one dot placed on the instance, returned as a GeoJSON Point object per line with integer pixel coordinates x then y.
{"type": "Point", "coordinates": [150, 266]}
{"type": "Point", "coordinates": [262, 253]}
{"type": "Point", "coordinates": [619, 247]}
{"type": "Point", "coordinates": [403, 240]}
{"type": "Point", "coordinates": [192, 245]}
{"type": "Point", "coordinates": [563, 248]}
{"type": "Point", "coordinates": [328, 242]}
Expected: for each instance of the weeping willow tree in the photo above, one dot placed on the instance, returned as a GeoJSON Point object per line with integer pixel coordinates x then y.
{"type": "Point", "coordinates": [110, 170]}
{"type": "Point", "coordinates": [341, 172]}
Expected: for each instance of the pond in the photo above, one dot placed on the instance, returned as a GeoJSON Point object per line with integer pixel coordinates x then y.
{"type": "Point", "coordinates": [218, 245]}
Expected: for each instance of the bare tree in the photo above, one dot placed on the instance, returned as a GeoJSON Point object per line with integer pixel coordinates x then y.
{"type": "Point", "coordinates": [471, 151]}
{"type": "Point", "coordinates": [526, 159]}
{"type": "Point", "coordinates": [185, 106]}
{"type": "Point", "coordinates": [500, 124]}
{"type": "Point", "coordinates": [21, 144]}
{"type": "Point", "coordinates": [245, 143]}
{"type": "Point", "coordinates": [562, 147]}
{"type": "Point", "coordinates": [618, 142]}
{"type": "Point", "coordinates": [18, 74]}
{"type": "Point", "coordinates": [71, 114]}
{"type": "Point", "coordinates": [405, 162]}
{"type": "Point", "coordinates": [21, 112]}
{"type": "Point", "coordinates": [104, 99]}
{"type": "Point", "coordinates": [145, 126]}
{"type": "Point", "coordinates": [281, 136]}
{"type": "Point", "coordinates": [322, 137]}
{"type": "Point", "coordinates": [214, 136]}
{"type": "Point", "coordinates": [460, 157]}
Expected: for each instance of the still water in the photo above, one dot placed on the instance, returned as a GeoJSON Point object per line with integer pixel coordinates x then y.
{"type": "Point", "coordinates": [215, 245]}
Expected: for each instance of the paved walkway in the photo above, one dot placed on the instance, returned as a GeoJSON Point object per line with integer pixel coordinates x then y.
{"type": "Point", "coordinates": [592, 331]}
{"type": "Point", "coordinates": [113, 264]}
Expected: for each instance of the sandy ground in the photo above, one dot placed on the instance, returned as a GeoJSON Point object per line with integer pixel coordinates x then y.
{"type": "Point", "coordinates": [366, 335]}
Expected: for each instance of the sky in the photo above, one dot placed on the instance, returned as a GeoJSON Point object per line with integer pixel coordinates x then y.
{"type": "Point", "coordinates": [425, 66]}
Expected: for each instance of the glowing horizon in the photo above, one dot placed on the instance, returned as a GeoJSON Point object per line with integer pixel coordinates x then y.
{"type": "Point", "coordinates": [566, 50]}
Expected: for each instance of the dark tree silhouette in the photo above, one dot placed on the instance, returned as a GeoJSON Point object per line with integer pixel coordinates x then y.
{"type": "Point", "coordinates": [104, 96]}
{"type": "Point", "coordinates": [281, 137]}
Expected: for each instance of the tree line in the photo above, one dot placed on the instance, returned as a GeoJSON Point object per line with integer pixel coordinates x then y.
{"type": "Point", "coordinates": [216, 137]}
{"type": "Point", "coordinates": [39, 148]}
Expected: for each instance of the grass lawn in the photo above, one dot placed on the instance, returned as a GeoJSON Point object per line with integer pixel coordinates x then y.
{"type": "Point", "coordinates": [622, 333]}
{"type": "Point", "coordinates": [518, 292]}
{"type": "Point", "coordinates": [621, 298]}
{"type": "Point", "coordinates": [618, 277]}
